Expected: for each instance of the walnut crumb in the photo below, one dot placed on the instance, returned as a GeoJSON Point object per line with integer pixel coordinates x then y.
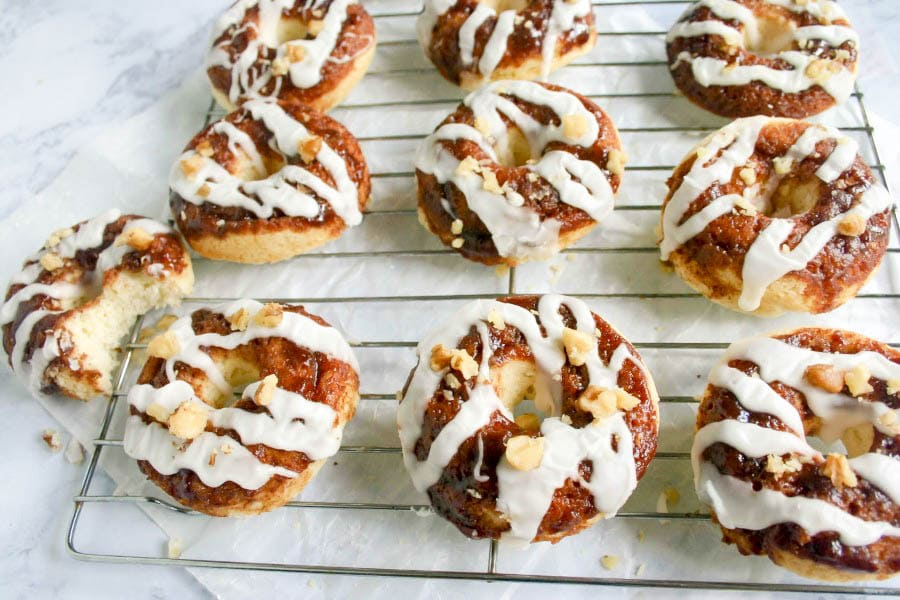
{"type": "Point", "coordinates": [524, 453]}
{"type": "Point", "coordinates": [748, 175]}
{"type": "Point", "coordinates": [838, 470]}
{"type": "Point", "coordinates": [315, 27]}
{"type": "Point", "coordinates": [615, 162]}
{"type": "Point", "coordinates": [745, 205]}
{"type": "Point", "coordinates": [226, 448]}
{"type": "Point", "coordinates": [188, 421]}
{"type": "Point", "coordinates": [239, 320]}
{"type": "Point", "coordinates": [825, 377]}
{"type": "Point", "coordinates": [857, 380]}
{"type": "Point", "coordinates": [135, 237]}
{"type": "Point", "coordinates": [204, 190]}
{"type": "Point", "coordinates": [270, 315]}
{"type": "Point", "coordinates": [164, 346]}
{"type": "Point", "coordinates": [59, 235]}
{"type": "Point", "coordinates": [598, 401]}
{"type": "Point", "coordinates": [853, 225]}
{"type": "Point", "coordinates": [783, 164]}
{"type": "Point", "coordinates": [266, 390]}
{"type": "Point", "coordinates": [490, 182]}
{"type": "Point", "coordinates": [451, 381]}
{"type": "Point", "coordinates": [294, 53]}
{"type": "Point", "coordinates": [893, 386]}
{"type": "Point", "coordinates": [529, 422]}
{"type": "Point", "coordinates": [610, 562]}
{"type": "Point", "coordinates": [52, 261]}
{"type": "Point", "coordinates": [280, 66]}
{"type": "Point", "coordinates": [495, 318]}
{"type": "Point", "coordinates": [205, 149]}
{"type": "Point", "coordinates": [173, 548]}
{"type": "Point", "coordinates": [457, 359]}
{"type": "Point", "coordinates": [574, 126]}
{"type": "Point", "coordinates": [457, 243]}
{"type": "Point", "coordinates": [578, 344]}
{"type": "Point", "coordinates": [468, 165]}
{"type": "Point", "coordinates": [777, 466]}
{"type": "Point", "coordinates": [52, 438]}
{"type": "Point", "coordinates": [191, 165]}
{"type": "Point", "coordinates": [309, 147]}
{"type": "Point", "coordinates": [456, 227]}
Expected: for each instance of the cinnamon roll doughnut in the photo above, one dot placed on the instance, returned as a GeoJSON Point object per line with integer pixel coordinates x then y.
{"type": "Point", "coordinates": [540, 475]}
{"type": "Point", "coordinates": [822, 515]}
{"type": "Point", "coordinates": [770, 215]}
{"type": "Point", "coordinates": [223, 455]}
{"type": "Point", "coordinates": [267, 182]}
{"type": "Point", "coordinates": [785, 58]}
{"type": "Point", "coordinates": [303, 51]}
{"type": "Point", "coordinates": [66, 312]}
{"type": "Point", "coordinates": [519, 171]}
{"type": "Point", "coordinates": [475, 41]}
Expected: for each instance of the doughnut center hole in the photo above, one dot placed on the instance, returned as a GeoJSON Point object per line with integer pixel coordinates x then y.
{"type": "Point", "coordinates": [790, 198]}
{"type": "Point", "coordinates": [291, 29]}
{"type": "Point", "coordinates": [522, 389]}
{"type": "Point", "coordinates": [239, 371]}
{"type": "Point", "coordinates": [502, 5]}
{"type": "Point", "coordinates": [516, 151]}
{"type": "Point", "coordinates": [834, 438]}
{"type": "Point", "coordinates": [272, 162]}
{"type": "Point", "coordinates": [773, 34]}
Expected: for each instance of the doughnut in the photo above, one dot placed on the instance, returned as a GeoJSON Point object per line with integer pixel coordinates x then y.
{"type": "Point", "coordinates": [781, 58]}
{"type": "Point", "coordinates": [475, 41]}
{"type": "Point", "coordinates": [829, 515]}
{"type": "Point", "coordinates": [267, 182]}
{"type": "Point", "coordinates": [66, 312]}
{"type": "Point", "coordinates": [770, 215]}
{"type": "Point", "coordinates": [224, 454]}
{"type": "Point", "coordinates": [310, 53]}
{"type": "Point", "coordinates": [496, 471]}
{"type": "Point", "coordinates": [519, 171]}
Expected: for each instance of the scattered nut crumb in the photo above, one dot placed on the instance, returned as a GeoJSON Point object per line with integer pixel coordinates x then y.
{"type": "Point", "coordinates": [490, 182]}
{"type": "Point", "coordinates": [74, 452]}
{"type": "Point", "coordinates": [51, 437]}
{"type": "Point", "coordinates": [452, 381]}
{"type": "Point", "coordinates": [468, 165]}
{"type": "Point", "coordinates": [309, 148]}
{"type": "Point", "coordinates": [59, 235]}
{"type": "Point", "coordinates": [135, 237]}
{"type": "Point", "coordinates": [782, 164]}
{"type": "Point", "coordinates": [857, 380]}
{"type": "Point", "coordinates": [239, 320]}
{"type": "Point", "coordinates": [280, 66]}
{"type": "Point", "coordinates": [615, 161]}
{"type": "Point", "coordinates": [173, 548]}
{"type": "Point", "coordinates": [204, 190]}
{"type": "Point", "coordinates": [578, 344]}
{"type": "Point", "coordinates": [748, 175]}
{"type": "Point", "coordinates": [610, 562]}
{"type": "Point", "coordinates": [745, 205]}
{"type": "Point", "coordinates": [226, 448]}
{"type": "Point", "coordinates": [893, 386]}
{"type": "Point", "coordinates": [825, 377]}
{"type": "Point", "coordinates": [524, 452]}
{"type": "Point", "coordinates": [457, 359]}
{"type": "Point", "coordinates": [266, 390]}
{"type": "Point", "coordinates": [495, 318]}
{"type": "Point", "coordinates": [457, 243]}
{"type": "Point", "coordinates": [163, 346]}
{"type": "Point", "coordinates": [565, 419]}
{"type": "Point", "coordinates": [188, 421]}
{"type": "Point", "coordinates": [295, 53]}
{"type": "Point", "coordinates": [838, 470]}
{"type": "Point", "coordinates": [598, 401]}
{"type": "Point", "coordinates": [270, 315]}
{"type": "Point", "coordinates": [852, 225]}
{"type": "Point", "coordinates": [574, 126]}
{"type": "Point", "coordinates": [529, 422]}
{"type": "Point", "coordinates": [456, 227]}
{"type": "Point", "coordinates": [778, 466]}
{"type": "Point", "coordinates": [205, 149]}
{"type": "Point", "coordinates": [191, 165]}
{"type": "Point", "coordinates": [52, 261]}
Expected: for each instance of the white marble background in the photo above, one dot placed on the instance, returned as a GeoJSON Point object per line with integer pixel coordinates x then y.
{"type": "Point", "coordinates": [70, 69]}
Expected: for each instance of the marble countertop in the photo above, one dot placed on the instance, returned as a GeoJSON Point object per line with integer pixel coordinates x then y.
{"type": "Point", "coordinates": [70, 70]}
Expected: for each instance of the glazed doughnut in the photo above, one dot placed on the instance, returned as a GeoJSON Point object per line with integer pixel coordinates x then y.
{"type": "Point", "coordinates": [527, 478]}
{"type": "Point", "coordinates": [770, 215]}
{"type": "Point", "coordinates": [518, 172]}
{"type": "Point", "coordinates": [784, 58]}
{"type": "Point", "coordinates": [819, 515]}
{"type": "Point", "coordinates": [304, 51]}
{"type": "Point", "coordinates": [66, 312]}
{"type": "Point", "coordinates": [475, 41]}
{"type": "Point", "coordinates": [267, 182]}
{"type": "Point", "coordinates": [223, 455]}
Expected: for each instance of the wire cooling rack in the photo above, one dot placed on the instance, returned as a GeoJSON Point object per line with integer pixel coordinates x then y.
{"type": "Point", "coordinates": [399, 60]}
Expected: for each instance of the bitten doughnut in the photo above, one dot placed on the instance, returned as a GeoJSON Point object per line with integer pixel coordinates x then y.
{"type": "Point", "coordinates": [784, 58]}
{"type": "Point", "coordinates": [475, 41]}
{"type": "Point", "coordinates": [822, 515]}
{"type": "Point", "coordinates": [499, 472]}
{"type": "Point", "coordinates": [267, 182]}
{"type": "Point", "coordinates": [311, 53]}
{"type": "Point", "coordinates": [66, 312]}
{"type": "Point", "coordinates": [224, 455]}
{"type": "Point", "coordinates": [519, 171]}
{"type": "Point", "coordinates": [771, 215]}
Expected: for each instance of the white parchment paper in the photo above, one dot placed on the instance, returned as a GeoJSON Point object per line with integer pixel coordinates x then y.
{"type": "Point", "coordinates": [127, 168]}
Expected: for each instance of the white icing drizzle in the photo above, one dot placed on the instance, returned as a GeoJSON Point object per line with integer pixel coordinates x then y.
{"type": "Point", "coordinates": [293, 423]}
{"type": "Point", "coordinates": [765, 262]}
{"type": "Point", "coordinates": [734, 501]}
{"type": "Point", "coordinates": [562, 18]}
{"type": "Point", "coordinates": [710, 71]}
{"type": "Point", "coordinates": [249, 75]}
{"type": "Point", "coordinates": [524, 496]}
{"type": "Point", "coordinates": [67, 295]}
{"type": "Point", "coordinates": [293, 189]}
{"type": "Point", "coordinates": [517, 230]}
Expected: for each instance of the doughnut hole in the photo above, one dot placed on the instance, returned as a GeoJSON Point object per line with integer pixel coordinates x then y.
{"type": "Point", "coordinates": [245, 169]}
{"type": "Point", "coordinates": [294, 28]}
{"type": "Point", "coordinates": [773, 34]}
{"type": "Point", "coordinates": [501, 5]}
{"type": "Point", "coordinates": [522, 389]}
{"type": "Point", "coordinates": [515, 151]}
{"type": "Point", "coordinates": [239, 367]}
{"type": "Point", "coordinates": [791, 197]}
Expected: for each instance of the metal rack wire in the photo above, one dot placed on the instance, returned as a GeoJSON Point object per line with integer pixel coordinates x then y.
{"type": "Point", "coordinates": [105, 442]}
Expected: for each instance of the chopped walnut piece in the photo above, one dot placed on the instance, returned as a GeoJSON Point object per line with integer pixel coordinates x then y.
{"type": "Point", "coordinates": [838, 470]}
{"type": "Point", "coordinates": [137, 238]}
{"type": "Point", "coordinates": [574, 126]}
{"type": "Point", "coordinates": [490, 182]}
{"type": "Point", "coordinates": [460, 360]}
{"type": "Point", "coordinates": [853, 225]}
{"type": "Point", "coordinates": [468, 165]}
{"type": "Point", "coordinates": [315, 27]}
{"type": "Point", "coordinates": [158, 412]}
{"type": "Point", "coordinates": [615, 162]}
{"type": "Point", "coordinates": [280, 66]}
{"type": "Point", "coordinates": [205, 149]}
{"type": "Point", "coordinates": [226, 448]}
{"type": "Point", "coordinates": [188, 421]}
{"type": "Point", "coordinates": [495, 318]}
{"type": "Point", "coordinates": [191, 165]}
{"type": "Point", "coordinates": [266, 390]}
{"type": "Point", "coordinates": [778, 466]}
{"type": "Point", "coordinates": [857, 380]}
{"type": "Point", "coordinates": [440, 357]}
{"type": "Point", "coordinates": [451, 381]}
{"type": "Point", "coordinates": [294, 53]}
{"type": "Point", "coordinates": [52, 261]}
{"type": "Point", "coordinates": [173, 548]}
{"type": "Point", "coordinates": [52, 439]}
{"type": "Point", "coordinates": [783, 164]}
{"type": "Point", "coordinates": [598, 401]}
{"type": "Point", "coordinates": [745, 205]}
{"type": "Point", "coordinates": [819, 70]}
{"type": "Point", "coordinates": [524, 452]}
{"type": "Point", "coordinates": [610, 562]}
{"type": "Point", "coordinates": [578, 344]}
{"type": "Point", "coordinates": [309, 148]}
{"type": "Point", "coordinates": [529, 422]}
{"type": "Point", "coordinates": [270, 315]}
{"type": "Point", "coordinates": [825, 377]}
{"type": "Point", "coordinates": [457, 243]}
{"type": "Point", "coordinates": [456, 227]}
{"type": "Point", "coordinates": [748, 175]}
{"type": "Point", "coordinates": [164, 346]}
{"type": "Point", "coordinates": [59, 235]}
{"type": "Point", "coordinates": [239, 320]}
{"type": "Point", "coordinates": [204, 190]}
{"type": "Point", "coordinates": [893, 386]}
